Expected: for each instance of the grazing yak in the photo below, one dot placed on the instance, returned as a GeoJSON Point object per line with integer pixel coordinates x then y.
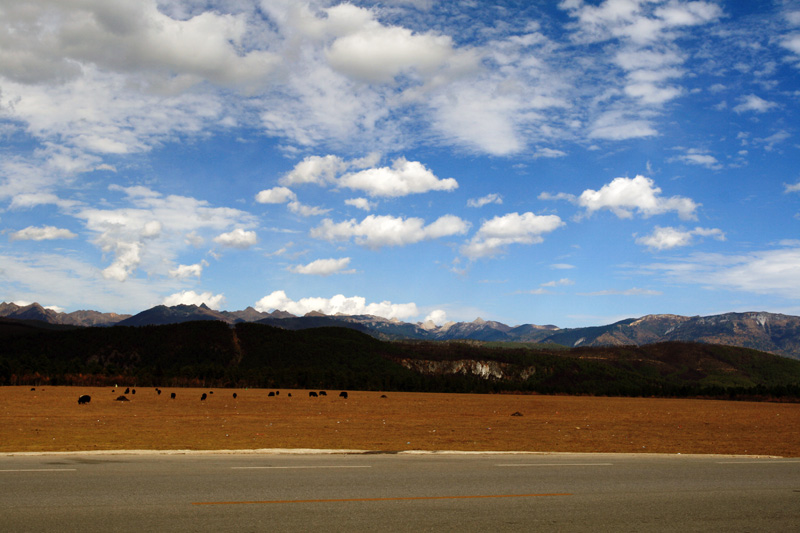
{"type": "Point", "coordinates": [312, 394]}
{"type": "Point", "coordinates": [271, 394]}
{"type": "Point", "coordinates": [203, 397]}
{"type": "Point", "coordinates": [84, 399]}
{"type": "Point", "coordinates": [343, 394]}
{"type": "Point", "coordinates": [323, 393]}
{"type": "Point", "coordinates": [122, 398]}
{"type": "Point", "coordinates": [128, 390]}
{"type": "Point", "coordinates": [234, 395]}
{"type": "Point", "coordinates": [172, 395]}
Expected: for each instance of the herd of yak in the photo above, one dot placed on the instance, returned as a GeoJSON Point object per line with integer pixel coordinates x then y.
{"type": "Point", "coordinates": [85, 398]}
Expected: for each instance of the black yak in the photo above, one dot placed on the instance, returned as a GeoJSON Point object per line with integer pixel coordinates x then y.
{"type": "Point", "coordinates": [172, 395]}
{"type": "Point", "coordinates": [203, 397]}
{"type": "Point", "coordinates": [312, 394]}
{"type": "Point", "coordinates": [84, 399]}
{"type": "Point", "coordinates": [343, 394]}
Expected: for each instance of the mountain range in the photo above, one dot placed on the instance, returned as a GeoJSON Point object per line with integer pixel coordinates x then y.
{"type": "Point", "coordinates": [769, 332]}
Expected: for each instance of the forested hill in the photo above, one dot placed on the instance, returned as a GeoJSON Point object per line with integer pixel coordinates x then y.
{"type": "Point", "coordinates": [211, 353]}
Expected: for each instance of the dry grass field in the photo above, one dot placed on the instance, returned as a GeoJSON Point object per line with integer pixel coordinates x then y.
{"type": "Point", "coordinates": [50, 419]}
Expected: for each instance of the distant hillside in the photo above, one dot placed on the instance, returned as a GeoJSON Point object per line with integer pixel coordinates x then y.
{"type": "Point", "coordinates": [77, 318]}
{"type": "Point", "coordinates": [769, 332]}
{"type": "Point", "coordinates": [212, 353]}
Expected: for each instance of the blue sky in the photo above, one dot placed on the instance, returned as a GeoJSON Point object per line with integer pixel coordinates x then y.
{"type": "Point", "coordinates": [567, 163]}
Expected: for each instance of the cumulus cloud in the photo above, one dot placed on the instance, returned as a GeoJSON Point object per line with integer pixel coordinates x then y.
{"type": "Point", "coordinates": [791, 188]}
{"type": "Point", "coordinates": [753, 103]}
{"type": "Point", "coordinates": [151, 229]}
{"type": "Point", "coordinates": [495, 235]}
{"type": "Point", "coordinates": [238, 238]}
{"type": "Point", "coordinates": [492, 198]}
{"type": "Point", "coordinates": [401, 179]}
{"type": "Point", "coordinates": [323, 267]}
{"type": "Point", "coordinates": [53, 40]}
{"type": "Point", "coordinates": [339, 304]}
{"type": "Point", "coordinates": [316, 169]}
{"type": "Point", "coordinates": [385, 230]}
{"type": "Point", "coordinates": [437, 316]}
{"type": "Point", "coordinates": [624, 196]}
{"type": "Point", "coordinates": [46, 233]}
{"type": "Point", "coordinates": [668, 237]}
{"type": "Point", "coordinates": [377, 53]}
{"type": "Point", "coordinates": [275, 195]}
{"type": "Point", "coordinates": [212, 301]}
{"type": "Point", "coordinates": [360, 203]}
{"type": "Point", "coordinates": [187, 271]}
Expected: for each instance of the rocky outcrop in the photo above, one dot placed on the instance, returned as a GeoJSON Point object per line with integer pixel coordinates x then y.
{"type": "Point", "coordinates": [490, 370]}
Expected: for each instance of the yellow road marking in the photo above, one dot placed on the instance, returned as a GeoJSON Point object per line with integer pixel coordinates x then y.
{"type": "Point", "coordinates": [401, 498]}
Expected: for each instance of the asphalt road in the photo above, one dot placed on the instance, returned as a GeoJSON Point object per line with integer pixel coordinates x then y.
{"type": "Point", "coordinates": [385, 492]}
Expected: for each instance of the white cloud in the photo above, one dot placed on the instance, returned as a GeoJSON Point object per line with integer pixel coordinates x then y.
{"type": "Point", "coordinates": [212, 301]}
{"type": "Point", "coordinates": [323, 267]}
{"type": "Point", "coordinates": [238, 238]}
{"type": "Point", "coordinates": [361, 203]}
{"type": "Point", "coordinates": [316, 169]}
{"type": "Point", "coordinates": [792, 43]}
{"type": "Point", "coordinates": [635, 291]}
{"type": "Point", "coordinates": [339, 304]}
{"type": "Point", "coordinates": [772, 272]}
{"type": "Point", "coordinates": [619, 126]}
{"type": "Point", "coordinates": [791, 188]}
{"type": "Point", "coordinates": [186, 271]}
{"type": "Point", "coordinates": [558, 283]}
{"type": "Point", "coordinates": [53, 39]}
{"type": "Point", "coordinates": [75, 284]}
{"type": "Point", "coordinates": [377, 53]}
{"type": "Point", "coordinates": [403, 178]}
{"type": "Point", "coordinates": [562, 266]}
{"type": "Point", "coordinates": [493, 198]}
{"type": "Point", "coordinates": [437, 316]}
{"type": "Point", "coordinates": [495, 235]}
{"type": "Point", "coordinates": [640, 22]}
{"type": "Point", "coordinates": [549, 153]}
{"type": "Point", "coordinates": [623, 196]}
{"type": "Point", "coordinates": [275, 195]}
{"type": "Point", "coordinates": [384, 230]}
{"type": "Point", "coordinates": [699, 157]}
{"type": "Point", "coordinates": [46, 233]}
{"type": "Point", "coordinates": [668, 237]}
{"type": "Point", "coordinates": [754, 103]}
{"type": "Point", "coordinates": [306, 210]}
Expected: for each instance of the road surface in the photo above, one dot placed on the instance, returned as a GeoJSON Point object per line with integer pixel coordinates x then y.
{"type": "Point", "coordinates": [397, 492]}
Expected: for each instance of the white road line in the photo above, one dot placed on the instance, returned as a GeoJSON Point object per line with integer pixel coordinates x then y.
{"type": "Point", "coordinates": [42, 470]}
{"type": "Point", "coordinates": [556, 464]}
{"type": "Point", "coordinates": [763, 462]}
{"type": "Point", "coordinates": [294, 467]}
